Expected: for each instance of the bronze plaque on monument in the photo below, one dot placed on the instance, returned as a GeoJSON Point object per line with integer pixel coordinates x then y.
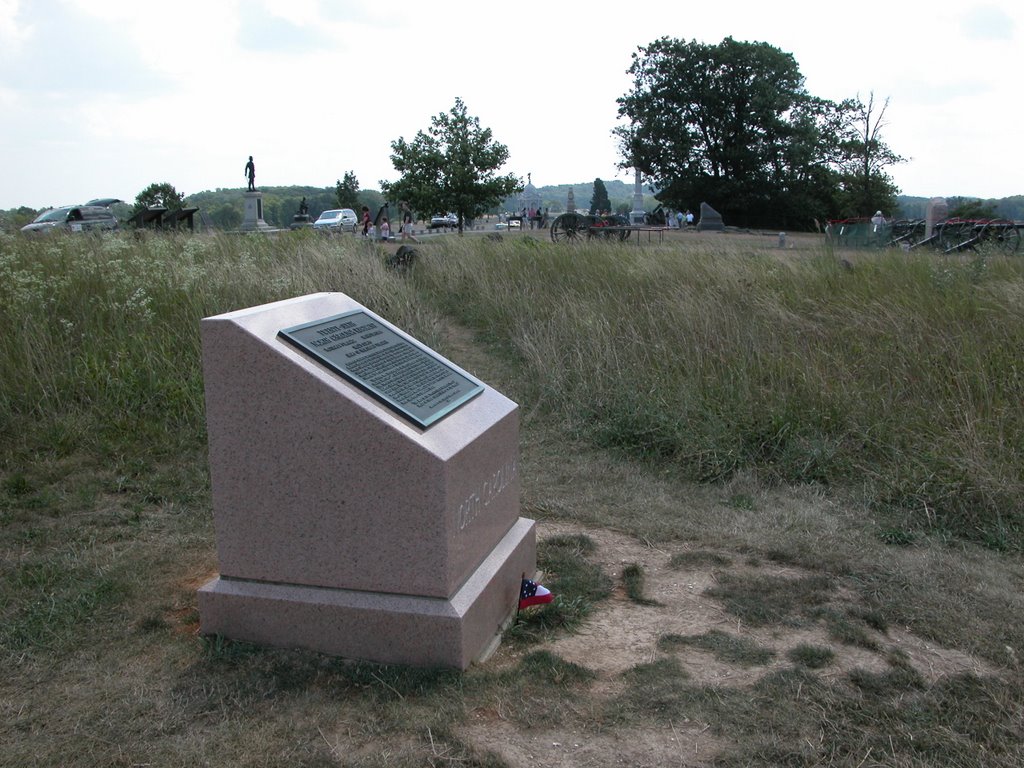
{"type": "Point", "coordinates": [410, 379]}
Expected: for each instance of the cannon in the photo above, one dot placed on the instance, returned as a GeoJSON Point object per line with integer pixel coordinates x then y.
{"type": "Point", "coordinates": [573, 227]}
{"type": "Point", "coordinates": [949, 236]}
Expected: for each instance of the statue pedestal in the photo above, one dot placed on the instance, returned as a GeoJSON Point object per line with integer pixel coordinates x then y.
{"type": "Point", "coordinates": [252, 219]}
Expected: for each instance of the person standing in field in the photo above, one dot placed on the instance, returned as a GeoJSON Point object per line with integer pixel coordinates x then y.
{"type": "Point", "coordinates": [366, 221]}
{"type": "Point", "coordinates": [406, 212]}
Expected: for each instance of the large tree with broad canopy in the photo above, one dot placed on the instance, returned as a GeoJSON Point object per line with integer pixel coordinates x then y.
{"type": "Point", "coordinates": [733, 125]}
{"type": "Point", "coordinates": [451, 167]}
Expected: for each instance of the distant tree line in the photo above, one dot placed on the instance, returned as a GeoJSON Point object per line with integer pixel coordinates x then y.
{"type": "Point", "coordinates": [1010, 208]}
{"type": "Point", "coordinates": [223, 207]}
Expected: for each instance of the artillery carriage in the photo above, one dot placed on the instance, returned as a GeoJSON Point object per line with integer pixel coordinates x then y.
{"type": "Point", "coordinates": [947, 236]}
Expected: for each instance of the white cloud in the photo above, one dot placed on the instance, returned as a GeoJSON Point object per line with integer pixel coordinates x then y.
{"type": "Point", "coordinates": [111, 96]}
{"type": "Point", "coordinates": [263, 31]}
{"type": "Point", "coordinates": [66, 51]}
{"type": "Point", "coordinates": [14, 32]}
{"type": "Point", "coordinates": [987, 22]}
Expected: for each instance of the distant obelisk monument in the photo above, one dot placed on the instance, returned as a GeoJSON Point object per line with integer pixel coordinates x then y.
{"type": "Point", "coordinates": [636, 216]}
{"type": "Point", "coordinates": [252, 219]}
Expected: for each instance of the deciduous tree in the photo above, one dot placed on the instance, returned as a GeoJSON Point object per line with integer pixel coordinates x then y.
{"type": "Point", "coordinates": [347, 191]}
{"type": "Point", "coordinates": [452, 166]}
{"type": "Point", "coordinates": [600, 202]}
{"type": "Point", "coordinates": [710, 122]}
{"type": "Point", "coordinates": [865, 185]}
{"type": "Point", "coordinates": [226, 216]}
{"type": "Point", "coordinates": [159, 195]}
{"type": "Point", "coordinates": [733, 125]}
{"type": "Point", "coordinates": [972, 208]}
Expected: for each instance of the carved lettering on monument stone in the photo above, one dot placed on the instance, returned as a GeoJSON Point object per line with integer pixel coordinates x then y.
{"type": "Point", "coordinates": [490, 489]}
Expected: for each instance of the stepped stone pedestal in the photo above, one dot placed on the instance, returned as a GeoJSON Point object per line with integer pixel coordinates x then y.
{"type": "Point", "coordinates": [252, 216]}
{"type": "Point", "coordinates": [365, 489]}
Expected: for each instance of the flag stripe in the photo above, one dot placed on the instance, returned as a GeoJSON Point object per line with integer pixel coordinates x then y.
{"type": "Point", "coordinates": [532, 593]}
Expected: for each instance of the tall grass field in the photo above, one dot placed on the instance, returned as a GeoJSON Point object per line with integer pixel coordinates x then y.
{"type": "Point", "coordinates": [888, 384]}
{"type": "Point", "coordinates": [900, 379]}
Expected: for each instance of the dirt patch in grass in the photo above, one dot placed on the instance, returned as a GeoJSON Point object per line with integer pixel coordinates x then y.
{"type": "Point", "coordinates": [623, 638]}
{"type": "Point", "coordinates": [686, 744]}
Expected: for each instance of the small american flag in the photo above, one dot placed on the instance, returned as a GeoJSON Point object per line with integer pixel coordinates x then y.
{"type": "Point", "coordinates": [532, 593]}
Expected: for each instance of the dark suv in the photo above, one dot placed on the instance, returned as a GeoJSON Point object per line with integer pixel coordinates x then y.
{"type": "Point", "coordinates": [74, 218]}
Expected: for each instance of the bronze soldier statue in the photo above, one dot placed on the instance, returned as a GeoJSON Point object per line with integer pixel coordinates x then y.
{"type": "Point", "coordinates": [250, 173]}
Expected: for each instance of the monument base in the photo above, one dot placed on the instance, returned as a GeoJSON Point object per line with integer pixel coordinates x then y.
{"type": "Point", "coordinates": [374, 626]}
{"type": "Point", "coordinates": [252, 217]}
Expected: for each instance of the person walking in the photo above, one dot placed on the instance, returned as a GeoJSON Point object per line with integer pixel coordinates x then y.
{"type": "Point", "coordinates": [366, 221]}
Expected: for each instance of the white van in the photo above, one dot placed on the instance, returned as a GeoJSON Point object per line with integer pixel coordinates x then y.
{"type": "Point", "coordinates": [337, 219]}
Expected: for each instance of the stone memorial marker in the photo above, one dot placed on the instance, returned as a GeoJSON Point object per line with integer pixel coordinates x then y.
{"type": "Point", "coordinates": [938, 210]}
{"type": "Point", "coordinates": [365, 489]}
{"type": "Point", "coordinates": [710, 219]}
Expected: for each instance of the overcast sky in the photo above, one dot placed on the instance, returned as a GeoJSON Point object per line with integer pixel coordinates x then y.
{"type": "Point", "coordinates": [101, 98]}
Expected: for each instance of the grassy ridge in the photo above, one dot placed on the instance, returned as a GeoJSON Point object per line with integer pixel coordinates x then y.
{"type": "Point", "coordinates": [99, 337]}
{"type": "Point", "coordinates": [900, 379]}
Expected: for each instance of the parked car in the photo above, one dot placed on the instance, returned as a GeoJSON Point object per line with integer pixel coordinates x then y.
{"type": "Point", "coordinates": [91, 217]}
{"type": "Point", "coordinates": [336, 220]}
{"type": "Point", "coordinates": [445, 220]}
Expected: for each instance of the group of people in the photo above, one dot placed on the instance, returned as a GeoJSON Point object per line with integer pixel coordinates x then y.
{"type": "Point", "coordinates": [405, 228]}
{"type": "Point", "coordinates": [684, 219]}
{"type": "Point", "coordinates": [535, 216]}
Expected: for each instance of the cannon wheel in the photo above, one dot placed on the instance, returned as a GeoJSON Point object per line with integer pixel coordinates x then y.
{"type": "Point", "coordinates": [569, 226]}
{"type": "Point", "coordinates": [958, 234]}
{"type": "Point", "coordinates": [906, 233]}
{"type": "Point", "coordinates": [623, 226]}
{"type": "Point", "coordinates": [1005, 236]}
